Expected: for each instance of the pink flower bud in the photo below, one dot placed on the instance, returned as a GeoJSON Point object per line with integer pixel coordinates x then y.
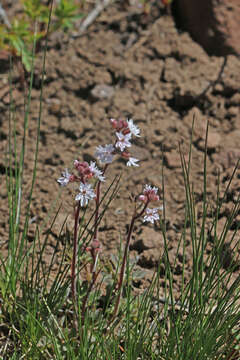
{"type": "Point", "coordinates": [153, 197]}
{"type": "Point", "coordinates": [87, 172]}
{"type": "Point", "coordinates": [119, 125]}
{"type": "Point", "coordinates": [76, 163]}
{"type": "Point", "coordinates": [125, 131]}
{"type": "Point", "coordinates": [72, 178]}
{"type": "Point", "coordinates": [96, 244]}
{"type": "Point", "coordinates": [84, 164]}
{"type": "Point", "coordinates": [122, 124]}
{"type": "Point", "coordinates": [150, 193]}
{"type": "Point", "coordinates": [125, 154]}
{"type": "Point", "coordinates": [114, 123]}
{"type": "Point", "coordinates": [95, 247]}
{"type": "Point", "coordinates": [142, 198]}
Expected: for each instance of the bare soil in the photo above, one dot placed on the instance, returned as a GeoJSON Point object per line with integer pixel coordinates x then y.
{"type": "Point", "coordinates": [129, 64]}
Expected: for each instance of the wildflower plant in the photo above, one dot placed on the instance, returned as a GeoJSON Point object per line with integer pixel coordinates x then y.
{"type": "Point", "coordinates": [84, 174]}
{"type": "Point", "coordinates": [110, 321]}
{"type": "Point", "coordinates": [200, 322]}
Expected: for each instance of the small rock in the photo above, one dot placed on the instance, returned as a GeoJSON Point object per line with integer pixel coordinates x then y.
{"type": "Point", "coordinates": [54, 105]}
{"type": "Point", "coordinates": [102, 91]}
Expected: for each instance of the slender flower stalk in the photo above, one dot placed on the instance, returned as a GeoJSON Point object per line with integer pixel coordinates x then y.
{"type": "Point", "coordinates": [151, 215]}
{"type": "Point", "coordinates": [95, 248]}
{"type": "Point", "coordinates": [75, 254]}
{"type": "Point", "coordinates": [123, 266]}
{"type": "Point", "coordinates": [97, 204]}
{"type": "Point", "coordinates": [86, 193]}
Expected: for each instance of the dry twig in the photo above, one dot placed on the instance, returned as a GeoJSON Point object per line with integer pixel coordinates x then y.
{"type": "Point", "coordinates": [4, 17]}
{"type": "Point", "coordinates": [101, 5]}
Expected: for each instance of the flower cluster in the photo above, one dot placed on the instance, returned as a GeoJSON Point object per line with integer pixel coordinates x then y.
{"type": "Point", "coordinates": [149, 195]}
{"type": "Point", "coordinates": [125, 129]}
{"type": "Point", "coordinates": [85, 172]}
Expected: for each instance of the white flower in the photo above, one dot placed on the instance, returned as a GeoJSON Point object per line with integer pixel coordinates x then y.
{"type": "Point", "coordinates": [64, 180]}
{"type": "Point", "coordinates": [134, 130]}
{"type": "Point", "coordinates": [97, 172]}
{"type": "Point", "coordinates": [123, 140]}
{"type": "Point", "coordinates": [86, 193]}
{"type": "Point", "coordinates": [150, 189]}
{"type": "Point", "coordinates": [151, 214]}
{"type": "Point", "coordinates": [132, 162]}
{"type": "Point", "coordinates": [105, 153]}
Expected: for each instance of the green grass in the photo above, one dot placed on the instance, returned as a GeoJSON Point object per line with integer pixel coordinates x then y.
{"type": "Point", "coordinates": [40, 320]}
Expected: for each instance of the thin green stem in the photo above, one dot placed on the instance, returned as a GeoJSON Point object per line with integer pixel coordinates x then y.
{"type": "Point", "coordinates": [94, 251]}
{"type": "Point", "coordinates": [75, 254]}
{"type": "Point", "coordinates": [122, 270]}
{"type": "Point", "coordinates": [96, 222]}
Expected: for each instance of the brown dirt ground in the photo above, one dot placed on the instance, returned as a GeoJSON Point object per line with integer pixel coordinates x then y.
{"type": "Point", "coordinates": [152, 73]}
